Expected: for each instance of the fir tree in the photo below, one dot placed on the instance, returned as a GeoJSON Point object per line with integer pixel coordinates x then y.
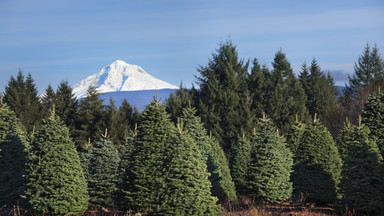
{"type": "Point", "coordinates": [239, 164]}
{"type": "Point", "coordinates": [177, 101]}
{"type": "Point", "coordinates": [47, 100]}
{"type": "Point", "coordinates": [111, 121]}
{"type": "Point", "coordinates": [373, 117]}
{"type": "Point", "coordinates": [186, 188]}
{"type": "Point", "coordinates": [345, 139]}
{"type": "Point", "coordinates": [295, 136]}
{"type": "Point", "coordinates": [145, 172]}
{"type": "Point", "coordinates": [362, 175]}
{"type": "Point", "coordinates": [66, 105]}
{"type": "Point", "coordinates": [103, 173]}
{"type": "Point", "coordinates": [214, 157]}
{"type": "Point", "coordinates": [318, 165]}
{"type": "Point", "coordinates": [55, 179]}
{"type": "Point", "coordinates": [13, 156]}
{"type": "Point", "coordinates": [270, 167]}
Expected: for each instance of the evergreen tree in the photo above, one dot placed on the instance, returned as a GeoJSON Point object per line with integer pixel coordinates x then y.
{"type": "Point", "coordinates": [102, 173]}
{"type": "Point", "coordinates": [318, 165]}
{"type": "Point", "coordinates": [89, 123]}
{"type": "Point", "coordinates": [295, 136]}
{"type": "Point", "coordinates": [145, 172]}
{"type": "Point", "coordinates": [214, 157]}
{"type": "Point", "coordinates": [177, 101]}
{"type": "Point", "coordinates": [13, 156]}
{"type": "Point", "coordinates": [222, 87]}
{"type": "Point", "coordinates": [55, 179]}
{"type": "Point", "coordinates": [66, 105]}
{"type": "Point", "coordinates": [361, 185]}
{"type": "Point", "coordinates": [111, 121]}
{"type": "Point", "coordinates": [345, 139]}
{"type": "Point", "coordinates": [47, 100]}
{"type": "Point", "coordinates": [239, 164]}
{"type": "Point", "coordinates": [186, 188]}
{"type": "Point", "coordinates": [22, 97]}
{"type": "Point", "coordinates": [373, 117]}
{"type": "Point", "coordinates": [128, 117]}
{"type": "Point", "coordinates": [270, 167]}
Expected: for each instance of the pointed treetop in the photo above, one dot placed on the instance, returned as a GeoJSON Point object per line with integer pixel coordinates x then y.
{"type": "Point", "coordinates": [297, 118]}
{"type": "Point", "coordinates": [315, 118]}
{"type": "Point", "coordinates": [180, 125]}
{"type": "Point", "coordinates": [105, 134]}
{"type": "Point", "coordinates": [264, 118]}
{"type": "Point", "coordinates": [1, 98]}
{"type": "Point", "coordinates": [359, 121]}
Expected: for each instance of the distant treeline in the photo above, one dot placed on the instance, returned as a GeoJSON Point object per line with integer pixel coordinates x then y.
{"type": "Point", "coordinates": [246, 130]}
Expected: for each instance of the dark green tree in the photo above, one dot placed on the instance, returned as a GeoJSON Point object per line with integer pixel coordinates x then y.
{"type": "Point", "coordinates": [13, 156]}
{"type": "Point", "coordinates": [55, 179]}
{"type": "Point", "coordinates": [186, 188]}
{"type": "Point", "coordinates": [111, 121]}
{"type": "Point", "coordinates": [361, 184]}
{"type": "Point", "coordinates": [345, 139]}
{"type": "Point", "coordinates": [295, 136]}
{"type": "Point", "coordinates": [318, 165]}
{"type": "Point", "coordinates": [223, 87]}
{"type": "Point", "coordinates": [214, 157]}
{"type": "Point", "coordinates": [66, 105]}
{"type": "Point", "coordinates": [103, 173]}
{"type": "Point", "coordinates": [241, 156]}
{"type": "Point", "coordinates": [21, 96]}
{"type": "Point", "coordinates": [145, 171]}
{"type": "Point", "coordinates": [177, 101]}
{"type": "Point", "coordinates": [47, 100]}
{"type": "Point", "coordinates": [270, 167]}
{"type": "Point", "coordinates": [89, 122]}
{"type": "Point", "coordinates": [373, 118]}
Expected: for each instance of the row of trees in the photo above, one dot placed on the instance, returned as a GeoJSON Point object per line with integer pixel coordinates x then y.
{"type": "Point", "coordinates": [256, 134]}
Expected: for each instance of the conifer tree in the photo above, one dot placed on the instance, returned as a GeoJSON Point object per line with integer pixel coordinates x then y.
{"type": "Point", "coordinates": [66, 105]}
{"type": "Point", "coordinates": [145, 172]}
{"type": "Point", "coordinates": [372, 116]}
{"type": "Point", "coordinates": [21, 96]}
{"type": "Point", "coordinates": [177, 101]}
{"type": "Point", "coordinates": [128, 117]}
{"type": "Point", "coordinates": [186, 188]}
{"type": "Point", "coordinates": [318, 165]}
{"type": "Point", "coordinates": [102, 173]}
{"type": "Point", "coordinates": [55, 179]}
{"type": "Point", "coordinates": [13, 156]}
{"type": "Point", "coordinates": [270, 167]}
{"type": "Point", "coordinates": [47, 100]}
{"type": "Point", "coordinates": [362, 181]}
{"type": "Point", "coordinates": [213, 154]}
{"type": "Point", "coordinates": [295, 136]}
{"type": "Point", "coordinates": [239, 164]}
{"type": "Point", "coordinates": [111, 121]}
{"type": "Point", "coordinates": [345, 139]}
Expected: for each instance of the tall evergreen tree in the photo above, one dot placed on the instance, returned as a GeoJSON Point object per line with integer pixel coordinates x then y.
{"type": "Point", "coordinates": [102, 173]}
{"type": "Point", "coordinates": [21, 96]}
{"type": "Point", "coordinates": [128, 117]}
{"type": "Point", "coordinates": [47, 100]}
{"type": "Point", "coordinates": [345, 139]}
{"type": "Point", "coordinates": [177, 101]}
{"type": "Point", "coordinates": [239, 165]}
{"type": "Point", "coordinates": [66, 105]}
{"type": "Point", "coordinates": [362, 181]}
{"type": "Point", "coordinates": [222, 87]}
{"type": "Point", "coordinates": [270, 166]}
{"type": "Point", "coordinates": [373, 117]}
{"type": "Point", "coordinates": [186, 188]}
{"type": "Point", "coordinates": [318, 165]}
{"type": "Point", "coordinates": [295, 136]}
{"type": "Point", "coordinates": [213, 154]}
{"type": "Point", "coordinates": [55, 179]}
{"type": "Point", "coordinates": [111, 121]}
{"type": "Point", "coordinates": [13, 156]}
{"type": "Point", "coordinates": [145, 172]}
{"type": "Point", "coordinates": [89, 123]}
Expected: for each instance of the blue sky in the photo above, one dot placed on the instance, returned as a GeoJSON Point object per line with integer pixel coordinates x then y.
{"type": "Point", "coordinates": [70, 40]}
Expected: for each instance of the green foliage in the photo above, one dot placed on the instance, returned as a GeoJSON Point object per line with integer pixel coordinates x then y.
{"type": "Point", "coordinates": [89, 123]}
{"type": "Point", "coordinates": [361, 185]}
{"type": "Point", "coordinates": [55, 179]}
{"type": "Point", "coordinates": [318, 165]}
{"type": "Point", "coordinates": [102, 173]}
{"type": "Point", "coordinates": [112, 122]}
{"type": "Point", "coordinates": [295, 136]}
{"type": "Point", "coordinates": [213, 154]}
{"type": "Point", "coordinates": [177, 101]}
{"type": "Point", "coordinates": [13, 156]}
{"type": "Point", "coordinates": [372, 116]}
{"type": "Point", "coordinates": [22, 97]}
{"type": "Point", "coordinates": [186, 188]}
{"type": "Point", "coordinates": [223, 96]}
{"type": "Point", "coordinates": [66, 105]}
{"type": "Point", "coordinates": [239, 164]}
{"type": "Point", "coordinates": [270, 167]}
{"type": "Point", "coordinates": [145, 172]}
{"type": "Point", "coordinates": [128, 117]}
{"type": "Point", "coordinates": [48, 99]}
{"type": "Point", "coordinates": [345, 139]}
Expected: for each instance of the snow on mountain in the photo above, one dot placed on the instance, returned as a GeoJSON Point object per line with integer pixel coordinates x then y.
{"type": "Point", "coordinates": [120, 76]}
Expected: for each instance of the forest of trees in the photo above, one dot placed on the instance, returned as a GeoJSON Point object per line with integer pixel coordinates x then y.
{"type": "Point", "coordinates": [245, 130]}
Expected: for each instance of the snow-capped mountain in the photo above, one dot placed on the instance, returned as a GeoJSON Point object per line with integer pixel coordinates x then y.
{"type": "Point", "coordinates": [120, 76]}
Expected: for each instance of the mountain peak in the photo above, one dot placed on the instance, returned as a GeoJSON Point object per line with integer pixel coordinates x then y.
{"type": "Point", "coordinates": [120, 76]}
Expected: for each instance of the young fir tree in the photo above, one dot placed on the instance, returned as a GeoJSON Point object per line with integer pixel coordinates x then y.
{"type": "Point", "coordinates": [111, 121]}
{"type": "Point", "coordinates": [55, 179]}
{"type": "Point", "coordinates": [270, 167]}
{"type": "Point", "coordinates": [239, 164]}
{"type": "Point", "coordinates": [318, 165]}
{"type": "Point", "coordinates": [66, 105]}
{"type": "Point", "coordinates": [361, 185]}
{"type": "Point", "coordinates": [186, 188]}
{"type": "Point", "coordinates": [372, 116]}
{"type": "Point", "coordinates": [294, 136]}
{"type": "Point", "coordinates": [345, 139]}
{"type": "Point", "coordinates": [177, 101]}
{"type": "Point", "coordinates": [47, 100]}
{"type": "Point", "coordinates": [145, 172]}
{"type": "Point", "coordinates": [103, 173]}
{"type": "Point", "coordinates": [214, 157]}
{"type": "Point", "coordinates": [13, 157]}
